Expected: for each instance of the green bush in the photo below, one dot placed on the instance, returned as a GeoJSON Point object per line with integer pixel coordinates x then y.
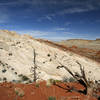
{"type": "Point", "coordinates": [37, 85]}
{"type": "Point", "coordinates": [71, 79]}
{"type": "Point", "coordinates": [48, 55]}
{"type": "Point", "coordinates": [52, 98]}
{"type": "Point", "coordinates": [25, 78]}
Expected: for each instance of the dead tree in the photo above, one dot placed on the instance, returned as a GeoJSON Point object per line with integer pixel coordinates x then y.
{"type": "Point", "coordinates": [33, 69]}
{"type": "Point", "coordinates": [89, 85]}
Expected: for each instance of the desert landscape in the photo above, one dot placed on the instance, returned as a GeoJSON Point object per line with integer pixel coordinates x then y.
{"type": "Point", "coordinates": [88, 48]}
{"type": "Point", "coordinates": [49, 49]}
{"type": "Point", "coordinates": [44, 70]}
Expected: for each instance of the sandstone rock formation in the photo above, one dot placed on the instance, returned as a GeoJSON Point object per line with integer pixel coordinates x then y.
{"type": "Point", "coordinates": [17, 60]}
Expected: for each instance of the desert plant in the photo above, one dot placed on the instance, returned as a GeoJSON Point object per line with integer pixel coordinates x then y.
{"type": "Point", "coordinates": [4, 70]}
{"type": "Point", "coordinates": [20, 75]}
{"type": "Point", "coordinates": [49, 82]}
{"type": "Point", "coordinates": [25, 78]}
{"type": "Point", "coordinates": [33, 69]}
{"type": "Point", "coordinates": [37, 85]}
{"type": "Point", "coordinates": [4, 79]}
{"type": "Point", "coordinates": [12, 68]}
{"type": "Point", "coordinates": [16, 73]}
{"type": "Point", "coordinates": [19, 92]}
{"type": "Point", "coordinates": [48, 55]}
{"type": "Point", "coordinates": [71, 79]}
{"type": "Point", "coordinates": [10, 54]}
{"type": "Point", "coordinates": [51, 98]}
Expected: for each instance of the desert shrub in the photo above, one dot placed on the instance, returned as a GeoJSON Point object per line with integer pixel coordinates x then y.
{"type": "Point", "coordinates": [0, 79]}
{"type": "Point", "coordinates": [19, 92]}
{"type": "Point", "coordinates": [71, 79]}
{"type": "Point", "coordinates": [48, 55]}
{"type": "Point", "coordinates": [58, 81]}
{"type": "Point", "coordinates": [17, 42]}
{"type": "Point", "coordinates": [52, 81]}
{"type": "Point", "coordinates": [4, 79]}
{"type": "Point", "coordinates": [25, 78]}
{"type": "Point", "coordinates": [65, 79]}
{"type": "Point", "coordinates": [4, 70]}
{"type": "Point", "coordinates": [20, 75]}
{"type": "Point", "coordinates": [12, 68]}
{"type": "Point", "coordinates": [37, 85]}
{"type": "Point", "coordinates": [51, 98]}
{"type": "Point", "coordinates": [43, 62]}
{"type": "Point", "coordinates": [13, 80]}
{"type": "Point", "coordinates": [10, 54]}
{"type": "Point", "coordinates": [50, 59]}
{"type": "Point", "coordinates": [16, 73]}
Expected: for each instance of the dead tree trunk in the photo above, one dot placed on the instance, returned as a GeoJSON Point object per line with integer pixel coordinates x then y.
{"type": "Point", "coordinates": [35, 67]}
{"type": "Point", "coordinates": [81, 79]}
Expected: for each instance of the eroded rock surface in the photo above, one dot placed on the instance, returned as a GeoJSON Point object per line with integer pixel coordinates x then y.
{"type": "Point", "coordinates": [17, 56]}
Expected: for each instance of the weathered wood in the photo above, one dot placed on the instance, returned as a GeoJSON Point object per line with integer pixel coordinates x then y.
{"type": "Point", "coordinates": [35, 67]}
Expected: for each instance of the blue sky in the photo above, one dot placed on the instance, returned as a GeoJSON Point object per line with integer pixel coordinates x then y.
{"type": "Point", "coordinates": [52, 19]}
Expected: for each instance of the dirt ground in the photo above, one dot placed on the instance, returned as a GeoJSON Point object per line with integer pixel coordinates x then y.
{"type": "Point", "coordinates": [40, 91]}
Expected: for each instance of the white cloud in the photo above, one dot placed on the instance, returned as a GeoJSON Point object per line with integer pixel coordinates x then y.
{"type": "Point", "coordinates": [49, 18]}
{"type": "Point", "coordinates": [70, 33]}
{"type": "Point", "coordinates": [61, 29]}
{"type": "Point", "coordinates": [75, 10]}
{"type": "Point", "coordinates": [46, 17]}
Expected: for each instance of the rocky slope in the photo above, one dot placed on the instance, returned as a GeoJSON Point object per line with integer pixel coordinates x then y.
{"type": "Point", "coordinates": [87, 48]}
{"type": "Point", "coordinates": [81, 43]}
{"type": "Point", "coordinates": [17, 56]}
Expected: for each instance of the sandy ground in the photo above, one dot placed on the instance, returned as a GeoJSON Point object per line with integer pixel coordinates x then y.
{"type": "Point", "coordinates": [40, 91]}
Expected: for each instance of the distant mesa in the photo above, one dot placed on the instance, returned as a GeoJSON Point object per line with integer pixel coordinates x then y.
{"type": "Point", "coordinates": [98, 39]}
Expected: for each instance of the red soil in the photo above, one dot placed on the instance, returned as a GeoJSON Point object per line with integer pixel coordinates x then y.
{"type": "Point", "coordinates": [41, 92]}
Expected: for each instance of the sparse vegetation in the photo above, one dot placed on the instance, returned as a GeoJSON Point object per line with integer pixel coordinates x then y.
{"type": "Point", "coordinates": [24, 78]}
{"type": "Point", "coordinates": [4, 79]}
{"type": "Point", "coordinates": [4, 70]}
{"type": "Point", "coordinates": [71, 79]}
{"type": "Point", "coordinates": [51, 98]}
{"type": "Point", "coordinates": [89, 86]}
{"type": "Point", "coordinates": [16, 73]}
{"type": "Point", "coordinates": [12, 69]}
{"type": "Point", "coordinates": [19, 92]}
{"type": "Point", "coordinates": [37, 85]}
{"type": "Point", "coordinates": [48, 55]}
{"type": "Point", "coordinates": [10, 54]}
{"type": "Point", "coordinates": [20, 75]}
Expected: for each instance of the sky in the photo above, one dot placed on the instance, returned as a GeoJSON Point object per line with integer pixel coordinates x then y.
{"type": "Point", "coordinates": [52, 19]}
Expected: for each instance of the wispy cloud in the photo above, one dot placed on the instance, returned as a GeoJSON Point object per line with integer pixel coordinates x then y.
{"type": "Point", "coordinates": [60, 29]}
{"type": "Point", "coordinates": [4, 16]}
{"type": "Point", "coordinates": [49, 18]}
{"type": "Point", "coordinates": [63, 29]}
{"type": "Point", "coordinates": [67, 23]}
{"type": "Point", "coordinates": [46, 17]}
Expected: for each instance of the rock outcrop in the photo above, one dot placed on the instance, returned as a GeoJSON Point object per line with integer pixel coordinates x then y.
{"type": "Point", "coordinates": [17, 60]}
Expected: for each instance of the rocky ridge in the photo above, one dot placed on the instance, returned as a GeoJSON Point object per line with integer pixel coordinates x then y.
{"type": "Point", "coordinates": [17, 55]}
